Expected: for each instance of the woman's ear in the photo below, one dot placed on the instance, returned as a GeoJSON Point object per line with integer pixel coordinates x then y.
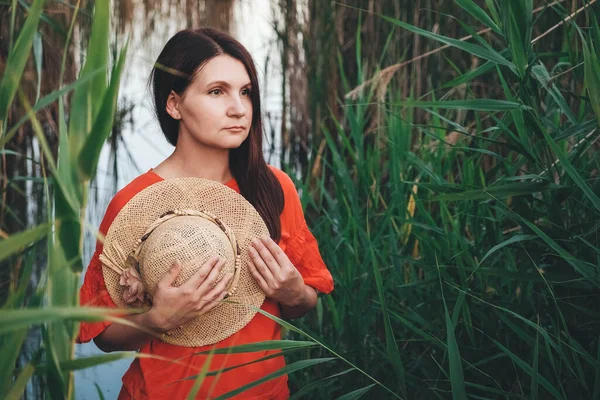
{"type": "Point", "coordinates": [173, 105]}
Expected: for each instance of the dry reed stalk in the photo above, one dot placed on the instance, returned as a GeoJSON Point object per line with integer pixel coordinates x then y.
{"type": "Point", "coordinates": [386, 74]}
{"type": "Point", "coordinates": [570, 17]}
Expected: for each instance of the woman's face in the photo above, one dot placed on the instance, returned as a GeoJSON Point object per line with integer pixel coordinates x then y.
{"type": "Point", "coordinates": [216, 109]}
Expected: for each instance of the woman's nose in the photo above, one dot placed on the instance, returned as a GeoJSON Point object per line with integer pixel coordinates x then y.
{"type": "Point", "coordinates": [237, 107]}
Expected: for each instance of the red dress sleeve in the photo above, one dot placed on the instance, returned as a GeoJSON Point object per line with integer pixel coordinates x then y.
{"type": "Point", "coordinates": [298, 242]}
{"type": "Point", "coordinates": [93, 292]}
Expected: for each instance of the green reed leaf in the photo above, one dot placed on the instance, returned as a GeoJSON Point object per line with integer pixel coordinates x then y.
{"type": "Point", "coordinates": [474, 105]}
{"type": "Point", "coordinates": [99, 391]}
{"type": "Point", "coordinates": [536, 367]}
{"type": "Point", "coordinates": [540, 72]}
{"type": "Point", "coordinates": [471, 75]}
{"type": "Point", "coordinates": [592, 76]}
{"type": "Point", "coordinates": [262, 346]}
{"type": "Point", "coordinates": [528, 370]}
{"type": "Point", "coordinates": [86, 101]}
{"type": "Point", "coordinates": [90, 152]}
{"type": "Point", "coordinates": [288, 369]}
{"type": "Point", "coordinates": [499, 191]}
{"type": "Point", "coordinates": [479, 14]}
{"type": "Point", "coordinates": [476, 50]}
{"type": "Point", "coordinates": [17, 58]}
{"type": "Point", "coordinates": [12, 320]}
{"type": "Point", "coordinates": [507, 242]}
{"type": "Point", "coordinates": [390, 340]}
{"type": "Point", "coordinates": [45, 102]}
{"type": "Point", "coordinates": [356, 394]}
{"type": "Point", "coordinates": [457, 379]}
{"type": "Point", "coordinates": [20, 384]}
{"type": "Point", "coordinates": [17, 242]}
{"type": "Point", "coordinates": [200, 378]}
{"type": "Point", "coordinates": [517, 24]}
{"type": "Point", "coordinates": [596, 394]}
{"type": "Point", "coordinates": [92, 361]}
{"type": "Point", "coordinates": [320, 383]}
{"type": "Point", "coordinates": [570, 169]}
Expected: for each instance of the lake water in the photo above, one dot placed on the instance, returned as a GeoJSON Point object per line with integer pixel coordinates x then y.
{"type": "Point", "coordinates": [146, 146]}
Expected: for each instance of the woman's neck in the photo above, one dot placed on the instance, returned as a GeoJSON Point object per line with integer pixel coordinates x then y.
{"type": "Point", "coordinates": [197, 161]}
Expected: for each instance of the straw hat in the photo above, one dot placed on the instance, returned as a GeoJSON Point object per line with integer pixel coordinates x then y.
{"type": "Point", "coordinates": [187, 220]}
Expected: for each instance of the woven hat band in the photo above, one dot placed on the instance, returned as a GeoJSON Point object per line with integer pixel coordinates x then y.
{"type": "Point", "coordinates": [194, 213]}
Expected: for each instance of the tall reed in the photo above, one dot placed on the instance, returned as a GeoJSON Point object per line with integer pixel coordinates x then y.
{"type": "Point", "coordinates": [66, 179]}
{"type": "Point", "coordinates": [464, 238]}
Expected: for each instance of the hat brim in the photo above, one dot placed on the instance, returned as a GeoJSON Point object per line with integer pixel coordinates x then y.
{"type": "Point", "coordinates": [198, 194]}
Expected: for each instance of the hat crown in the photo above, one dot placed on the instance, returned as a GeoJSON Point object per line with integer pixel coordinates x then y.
{"type": "Point", "coordinates": [192, 241]}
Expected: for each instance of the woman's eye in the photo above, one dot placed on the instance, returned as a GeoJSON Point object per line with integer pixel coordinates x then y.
{"type": "Point", "coordinates": [246, 92]}
{"type": "Point", "coordinates": [216, 91]}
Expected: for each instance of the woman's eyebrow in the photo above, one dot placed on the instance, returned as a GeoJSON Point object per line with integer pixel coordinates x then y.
{"type": "Point", "coordinates": [226, 84]}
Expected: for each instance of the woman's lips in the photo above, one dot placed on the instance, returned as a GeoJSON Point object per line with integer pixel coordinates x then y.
{"type": "Point", "coordinates": [235, 128]}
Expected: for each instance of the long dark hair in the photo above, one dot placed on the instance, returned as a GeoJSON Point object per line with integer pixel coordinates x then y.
{"type": "Point", "coordinates": [183, 55]}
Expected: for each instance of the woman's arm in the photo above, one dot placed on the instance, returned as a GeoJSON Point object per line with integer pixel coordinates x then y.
{"type": "Point", "coordinates": [119, 337]}
{"type": "Point", "coordinates": [303, 305]}
{"type": "Point", "coordinates": [171, 307]}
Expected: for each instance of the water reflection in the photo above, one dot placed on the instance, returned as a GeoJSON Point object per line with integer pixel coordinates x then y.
{"type": "Point", "coordinates": [142, 144]}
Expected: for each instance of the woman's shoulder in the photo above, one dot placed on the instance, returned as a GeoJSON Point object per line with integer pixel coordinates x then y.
{"type": "Point", "coordinates": [284, 180]}
{"type": "Point", "coordinates": [135, 186]}
{"type": "Point", "coordinates": [127, 193]}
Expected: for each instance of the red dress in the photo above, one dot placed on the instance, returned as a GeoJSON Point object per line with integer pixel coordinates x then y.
{"type": "Point", "coordinates": [149, 378]}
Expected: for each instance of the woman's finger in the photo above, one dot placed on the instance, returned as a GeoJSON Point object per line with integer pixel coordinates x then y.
{"type": "Point", "coordinates": [262, 284]}
{"type": "Point", "coordinates": [265, 254]}
{"type": "Point", "coordinates": [261, 266]}
{"type": "Point", "coordinates": [270, 261]}
{"type": "Point", "coordinates": [212, 304]}
{"type": "Point", "coordinates": [210, 280]}
{"type": "Point", "coordinates": [216, 293]}
{"type": "Point", "coordinates": [170, 277]}
{"type": "Point", "coordinates": [200, 275]}
{"type": "Point", "coordinates": [275, 251]}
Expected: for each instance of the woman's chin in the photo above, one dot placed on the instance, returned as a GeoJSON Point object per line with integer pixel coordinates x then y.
{"type": "Point", "coordinates": [233, 142]}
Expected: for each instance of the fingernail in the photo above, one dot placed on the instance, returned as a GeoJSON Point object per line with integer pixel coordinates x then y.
{"type": "Point", "coordinates": [226, 296]}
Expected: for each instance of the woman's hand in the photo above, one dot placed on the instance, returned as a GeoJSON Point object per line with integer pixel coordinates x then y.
{"type": "Point", "coordinates": [174, 306]}
{"type": "Point", "coordinates": [275, 274]}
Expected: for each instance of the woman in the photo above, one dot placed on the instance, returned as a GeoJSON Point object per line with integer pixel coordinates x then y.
{"type": "Point", "coordinates": [207, 101]}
